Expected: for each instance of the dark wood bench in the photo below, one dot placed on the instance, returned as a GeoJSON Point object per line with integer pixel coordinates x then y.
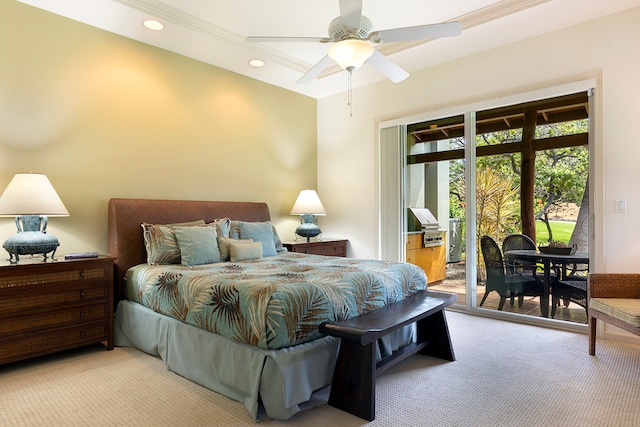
{"type": "Point", "coordinates": [353, 386]}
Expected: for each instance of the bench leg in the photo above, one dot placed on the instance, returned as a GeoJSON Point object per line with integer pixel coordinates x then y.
{"type": "Point", "coordinates": [353, 388]}
{"type": "Point", "coordinates": [592, 336]}
{"type": "Point", "coordinates": [434, 329]}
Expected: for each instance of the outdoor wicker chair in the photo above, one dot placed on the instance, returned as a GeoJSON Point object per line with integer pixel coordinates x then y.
{"type": "Point", "coordinates": [506, 285]}
{"type": "Point", "coordinates": [519, 242]}
{"type": "Point", "coordinates": [613, 298]}
{"type": "Point", "coordinates": [572, 288]}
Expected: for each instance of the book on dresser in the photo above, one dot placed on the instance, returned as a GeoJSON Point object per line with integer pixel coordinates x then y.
{"type": "Point", "coordinates": [50, 306]}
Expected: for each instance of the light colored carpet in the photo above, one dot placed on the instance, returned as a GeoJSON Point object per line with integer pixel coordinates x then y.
{"type": "Point", "coordinates": [506, 374]}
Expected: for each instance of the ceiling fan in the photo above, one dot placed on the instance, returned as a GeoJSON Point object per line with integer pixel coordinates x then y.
{"type": "Point", "coordinates": [353, 41]}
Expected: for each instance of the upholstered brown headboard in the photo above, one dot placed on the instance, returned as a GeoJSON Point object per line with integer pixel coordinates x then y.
{"type": "Point", "coordinates": [126, 243]}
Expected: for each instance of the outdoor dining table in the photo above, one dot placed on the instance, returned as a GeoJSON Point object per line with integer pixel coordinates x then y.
{"type": "Point", "coordinates": [548, 261]}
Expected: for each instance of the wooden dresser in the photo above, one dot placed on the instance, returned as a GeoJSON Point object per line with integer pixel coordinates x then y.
{"type": "Point", "coordinates": [329, 247]}
{"type": "Point", "coordinates": [52, 306]}
{"type": "Point", "coordinates": [433, 260]}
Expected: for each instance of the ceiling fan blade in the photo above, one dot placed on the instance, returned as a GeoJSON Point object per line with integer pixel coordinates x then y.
{"type": "Point", "coordinates": [420, 32]}
{"type": "Point", "coordinates": [351, 13]}
{"type": "Point", "coordinates": [315, 71]}
{"type": "Point", "coordinates": [287, 39]}
{"type": "Point", "coordinates": [386, 67]}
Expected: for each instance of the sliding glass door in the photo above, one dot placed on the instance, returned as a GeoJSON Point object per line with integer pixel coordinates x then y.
{"type": "Point", "coordinates": [525, 173]}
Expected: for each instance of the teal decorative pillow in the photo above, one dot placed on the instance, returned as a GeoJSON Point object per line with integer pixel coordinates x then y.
{"type": "Point", "coordinates": [198, 245]}
{"type": "Point", "coordinates": [244, 251]}
{"type": "Point", "coordinates": [223, 246]}
{"type": "Point", "coordinates": [260, 232]}
{"type": "Point", "coordinates": [161, 244]}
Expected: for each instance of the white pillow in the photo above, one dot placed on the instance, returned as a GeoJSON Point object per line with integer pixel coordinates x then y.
{"type": "Point", "coordinates": [244, 251]}
{"type": "Point", "coordinates": [223, 246]}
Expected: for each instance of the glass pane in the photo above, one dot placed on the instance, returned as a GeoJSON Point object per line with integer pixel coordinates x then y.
{"type": "Point", "coordinates": [435, 190]}
{"type": "Point", "coordinates": [560, 180]}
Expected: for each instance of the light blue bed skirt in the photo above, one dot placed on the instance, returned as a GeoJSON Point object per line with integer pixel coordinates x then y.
{"type": "Point", "coordinates": [270, 383]}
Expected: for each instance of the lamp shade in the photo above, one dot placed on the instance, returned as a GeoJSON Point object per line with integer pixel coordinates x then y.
{"type": "Point", "coordinates": [350, 54]}
{"type": "Point", "coordinates": [31, 194]}
{"type": "Point", "coordinates": [308, 202]}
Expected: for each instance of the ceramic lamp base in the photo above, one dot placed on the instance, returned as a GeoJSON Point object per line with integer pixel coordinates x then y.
{"type": "Point", "coordinates": [31, 239]}
{"type": "Point", "coordinates": [308, 227]}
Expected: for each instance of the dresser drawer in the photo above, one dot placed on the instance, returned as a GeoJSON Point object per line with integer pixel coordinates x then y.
{"type": "Point", "coordinates": [337, 249]}
{"type": "Point", "coordinates": [45, 342]}
{"type": "Point", "coordinates": [320, 247]}
{"type": "Point", "coordinates": [51, 296]}
{"type": "Point", "coordinates": [14, 278]}
{"type": "Point", "coordinates": [51, 319]}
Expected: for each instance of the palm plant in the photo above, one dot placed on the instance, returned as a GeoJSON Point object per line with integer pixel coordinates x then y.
{"type": "Point", "coordinates": [497, 208]}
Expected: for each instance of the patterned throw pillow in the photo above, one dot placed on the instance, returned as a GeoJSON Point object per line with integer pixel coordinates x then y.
{"type": "Point", "coordinates": [223, 225]}
{"type": "Point", "coordinates": [279, 246]}
{"type": "Point", "coordinates": [161, 244]}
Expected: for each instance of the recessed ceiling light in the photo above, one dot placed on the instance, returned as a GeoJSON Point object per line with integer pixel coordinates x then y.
{"type": "Point", "coordinates": [256, 63]}
{"type": "Point", "coordinates": [152, 24]}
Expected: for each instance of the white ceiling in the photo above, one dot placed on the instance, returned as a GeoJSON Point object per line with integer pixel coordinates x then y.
{"type": "Point", "coordinates": [213, 31]}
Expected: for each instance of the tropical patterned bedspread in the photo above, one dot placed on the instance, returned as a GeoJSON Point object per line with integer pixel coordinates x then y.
{"type": "Point", "coordinates": [276, 301]}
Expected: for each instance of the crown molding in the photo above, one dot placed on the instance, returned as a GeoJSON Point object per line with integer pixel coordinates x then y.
{"type": "Point", "coordinates": [470, 20]}
{"type": "Point", "coordinates": [193, 23]}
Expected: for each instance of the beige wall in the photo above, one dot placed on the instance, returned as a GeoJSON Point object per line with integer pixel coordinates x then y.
{"type": "Point", "coordinates": [104, 116]}
{"type": "Point", "coordinates": [606, 49]}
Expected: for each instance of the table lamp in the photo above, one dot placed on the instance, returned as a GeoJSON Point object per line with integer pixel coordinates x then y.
{"type": "Point", "coordinates": [31, 198]}
{"type": "Point", "coordinates": [308, 206]}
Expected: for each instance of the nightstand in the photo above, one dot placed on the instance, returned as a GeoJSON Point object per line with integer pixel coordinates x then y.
{"type": "Point", "coordinates": [46, 307]}
{"type": "Point", "coordinates": [330, 247]}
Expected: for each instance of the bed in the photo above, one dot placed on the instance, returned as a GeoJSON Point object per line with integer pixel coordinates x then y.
{"type": "Point", "coordinates": [250, 358]}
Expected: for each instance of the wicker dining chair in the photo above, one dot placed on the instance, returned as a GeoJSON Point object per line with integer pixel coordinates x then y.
{"type": "Point", "coordinates": [507, 285]}
{"type": "Point", "coordinates": [519, 242]}
{"type": "Point", "coordinates": [572, 288]}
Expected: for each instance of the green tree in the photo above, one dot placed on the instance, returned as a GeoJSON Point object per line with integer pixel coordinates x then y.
{"type": "Point", "coordinates": [561, 174]}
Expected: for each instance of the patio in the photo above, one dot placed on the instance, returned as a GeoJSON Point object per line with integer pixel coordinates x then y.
{"type": "Point", "coordinates": [455, 282]}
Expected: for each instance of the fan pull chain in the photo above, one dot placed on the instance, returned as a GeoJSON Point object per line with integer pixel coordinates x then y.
{"type": "Point", "coordinates": [350, 95]}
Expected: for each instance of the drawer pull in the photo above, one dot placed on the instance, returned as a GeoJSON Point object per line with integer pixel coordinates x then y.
{"type": "Point", "coordinates": [82, 314]}
{"type": "Point", "coordinates": [82, 294]}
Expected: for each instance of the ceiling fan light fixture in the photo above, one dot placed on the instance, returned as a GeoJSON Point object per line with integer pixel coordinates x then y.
{"type": "Point", "coordinates": [350, 54]}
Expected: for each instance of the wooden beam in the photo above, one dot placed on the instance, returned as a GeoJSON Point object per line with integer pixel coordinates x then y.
{"type": "Point", "coordinates": [493, 150]}
{"type": "Point", "coordinates": [528, 174]}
